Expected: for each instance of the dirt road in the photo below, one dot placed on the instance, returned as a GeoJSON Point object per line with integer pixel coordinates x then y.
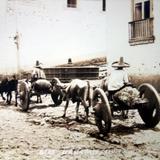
{"type": "Point", "coordinates": [42, 134]}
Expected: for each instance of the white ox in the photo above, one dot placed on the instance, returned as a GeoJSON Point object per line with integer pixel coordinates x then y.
{"type": "Point", "coordinates": [79, 91]}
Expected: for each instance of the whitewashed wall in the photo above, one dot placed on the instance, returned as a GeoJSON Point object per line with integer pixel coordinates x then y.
{"type": "Point", "coordinates": [51, 32]}
{"type": "Point", "coordinates": [144, 59]}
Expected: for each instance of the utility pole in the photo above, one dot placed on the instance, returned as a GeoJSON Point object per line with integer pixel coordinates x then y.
{"type": "Point", "coordinates": [17, 39]}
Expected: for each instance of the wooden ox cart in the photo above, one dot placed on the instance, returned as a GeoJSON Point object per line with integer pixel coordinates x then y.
{"type": "Point", "coordinates": [148, 106]}
{"type": "Point", "coordinates": [148, 103]}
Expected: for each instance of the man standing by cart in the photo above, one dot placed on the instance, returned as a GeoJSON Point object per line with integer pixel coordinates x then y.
{"type": "Point", "coordinates": [38, 72]}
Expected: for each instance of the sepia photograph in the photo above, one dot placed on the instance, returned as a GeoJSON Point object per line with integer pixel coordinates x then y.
{"type": "Point", "coordinates": [79, 79]}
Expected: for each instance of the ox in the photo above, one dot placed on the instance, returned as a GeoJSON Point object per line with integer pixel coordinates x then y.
{"type": "Point", "coordinates": [7, 86]}
{"type": "Point", "coordinates": [41, 86]}
{"type": "Point", "coordinates": [79, 91]}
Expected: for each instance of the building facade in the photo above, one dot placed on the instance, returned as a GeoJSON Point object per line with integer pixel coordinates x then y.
{"type": "Point", "coordinates": [134, 33]}
{"type": "Point", "coordinates": [54, 30]}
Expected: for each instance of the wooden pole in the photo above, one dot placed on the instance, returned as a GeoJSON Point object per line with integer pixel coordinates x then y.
{"type": "Point", "coordinates": [16, 38]}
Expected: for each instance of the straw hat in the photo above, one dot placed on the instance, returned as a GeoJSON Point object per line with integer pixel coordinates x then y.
{"type": "Point", "coordinates": [38, 64]}
{"type": "Point", "coordinates": [120, 63]}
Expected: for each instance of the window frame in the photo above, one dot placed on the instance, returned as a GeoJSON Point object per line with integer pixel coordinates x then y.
{"type": "Point", "coordinates": [141, 30]}
{"type": "Point", "coordinates": [135, 2]}
{"type": "Point", "coordinates": [72, 3]}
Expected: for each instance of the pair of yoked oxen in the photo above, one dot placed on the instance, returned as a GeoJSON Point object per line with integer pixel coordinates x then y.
{"type": "Point", "coordinates": [77, 90]}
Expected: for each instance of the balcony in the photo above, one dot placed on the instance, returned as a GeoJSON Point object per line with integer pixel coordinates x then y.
{"type": "Point", "coordinates": [141, 32]}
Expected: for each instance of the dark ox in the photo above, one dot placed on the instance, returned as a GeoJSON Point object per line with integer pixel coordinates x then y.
{"type": "Point", "coordinates": [79, 91]}
{"type": "Point", "coordinates": [41, 86]}
{"type": "Point", "coordinates": [7, 86]}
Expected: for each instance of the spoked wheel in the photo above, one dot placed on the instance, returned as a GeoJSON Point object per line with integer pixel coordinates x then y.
{"type": "Point", "coordinates": [57, 96]}
{"type": "Point", "coordinates": [102, 111]}
{"type": "Point", "coordinates": [23, 95]}
{"type": "Point", "coordinates": [149, 112]}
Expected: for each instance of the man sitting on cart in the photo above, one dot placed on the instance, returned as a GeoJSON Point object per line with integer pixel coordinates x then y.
{"type": "Point", "coordinates": [119, 85]}
{"type": "Point", "coordinates": [118, 78]}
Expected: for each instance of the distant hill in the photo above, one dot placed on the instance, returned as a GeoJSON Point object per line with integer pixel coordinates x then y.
{"type": "Point", "coordinates": [91, 62]}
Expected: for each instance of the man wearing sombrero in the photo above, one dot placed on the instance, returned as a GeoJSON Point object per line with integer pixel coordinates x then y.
{"type": "Point", "coordinates": [38, 72]}
{"type": "Point", "coordinates": [119, 85]}
{"type": "Point", "coordinates": [119, 77]}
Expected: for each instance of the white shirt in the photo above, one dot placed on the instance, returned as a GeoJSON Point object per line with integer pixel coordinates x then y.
{"type": "Point", "coordinates": [38, 73]}
{"type": "Point", "coordinates": [117, 79]}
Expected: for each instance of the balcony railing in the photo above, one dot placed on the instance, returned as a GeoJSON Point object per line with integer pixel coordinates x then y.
{"type": "Point", "coordinates": [141, 31]}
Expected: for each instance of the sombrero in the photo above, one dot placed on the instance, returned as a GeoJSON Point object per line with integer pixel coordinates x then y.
{"type": "Point", "coordinates": [38, 64]}
{"type": "Point", "coordinates": [120, 63]}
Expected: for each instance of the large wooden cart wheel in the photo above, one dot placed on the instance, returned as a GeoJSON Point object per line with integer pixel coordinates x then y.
{"type": "Point", "coordinates": [57, 96]}
{"type": "Point", "coordinates": [23, 95]}
{"type": "Point", "coordinates": [102, 111]}
{"type": "Point", "coordinates": [149, 112]}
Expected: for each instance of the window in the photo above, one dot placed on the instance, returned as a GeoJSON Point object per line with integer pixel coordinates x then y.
{"type": "Point", "coordinates": [104, 5]}
{"type": "Point", "coordinates": [146, 9]}
{"type": "Point", "coordinates": [138, 11]}
{"type": "Point", "coordinates": [141, 27]}
{"type": "Point", "coordinates": [142, 10]}
{"type": "Point", "coordinates": [72, 3]}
